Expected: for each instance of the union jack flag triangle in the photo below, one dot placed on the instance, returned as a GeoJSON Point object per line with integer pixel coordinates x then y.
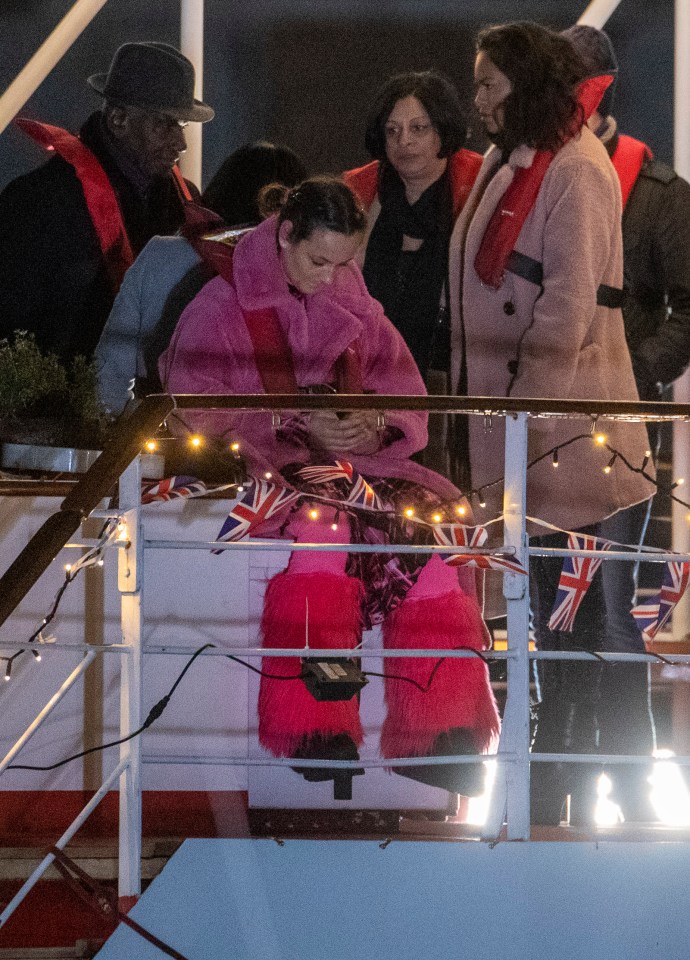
{"type": "Point", "coordinates": [483, 562]}
{"type": "Point", "coordinates": [172, 487]}
{"type": "Point", "coordinates": [261, 500]}
{"type": "Point", "coordinates": [651, 617]}
{"type": "Point", "coordinates": [363, 495]}
{"type": "Point", "coordinates": [646, 616]}
{"type": "Point", "coordinates": [576, 576]}
{"type": "Point", "coordinates": [459, 535]}
{"type": "Point", "coordinates": [338, 470]}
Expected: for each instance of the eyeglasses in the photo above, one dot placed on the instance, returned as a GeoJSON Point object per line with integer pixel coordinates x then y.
{"type": "Point", "coordinates": [417, 130]}
{"type": "Point", "coordinates": [162, 124]}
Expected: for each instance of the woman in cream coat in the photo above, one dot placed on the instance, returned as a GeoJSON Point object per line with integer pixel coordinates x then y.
{"type": "Point", "coordinates": [540, 254]}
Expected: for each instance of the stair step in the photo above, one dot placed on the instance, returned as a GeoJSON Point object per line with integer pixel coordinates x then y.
{"type": "Point", "coordinates": [100, 861]}
{"type": "Point", "coordinates": [81, 950]}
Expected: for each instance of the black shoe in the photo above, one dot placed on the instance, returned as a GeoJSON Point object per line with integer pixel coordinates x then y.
{"type": "Point", "coordinates": [548, 794]}
{"type": "Point", "coordinates": [464, 778]}
{"type": "Point", "coordinates": [338, 747]}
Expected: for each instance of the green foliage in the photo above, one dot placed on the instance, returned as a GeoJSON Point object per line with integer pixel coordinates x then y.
{"type": "Point", "coordinates": [37, 385]}
{"type": "Point", "coordinates": [27, 377]}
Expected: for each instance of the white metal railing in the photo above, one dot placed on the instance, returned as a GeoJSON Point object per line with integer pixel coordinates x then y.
{"type": "Point", "coordinates": [510, 796]}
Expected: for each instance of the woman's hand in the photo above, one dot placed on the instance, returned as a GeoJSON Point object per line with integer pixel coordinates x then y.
{"type": "Point", "coordinates": [355, 433]}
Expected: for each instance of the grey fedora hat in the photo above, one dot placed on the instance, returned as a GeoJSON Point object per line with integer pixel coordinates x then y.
{"type": "Point", "coordinates": [153, 76]}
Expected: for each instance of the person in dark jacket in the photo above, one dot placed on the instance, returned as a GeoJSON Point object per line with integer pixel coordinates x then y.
{"type": "Point", "coordinates": [656, 314]}
{"type": "Point", "coordinates": [71, 228]}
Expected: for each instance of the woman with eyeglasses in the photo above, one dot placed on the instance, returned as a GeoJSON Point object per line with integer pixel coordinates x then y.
{"type": "Point", "coordinates": [292, 315]}
{"type": "Point", "coordinates": [414, 191]}
{"type": "Point", "coordinates": [541, 260]}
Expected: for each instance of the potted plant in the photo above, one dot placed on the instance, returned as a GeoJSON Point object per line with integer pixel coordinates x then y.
{"type": "Point", "coordinates": [50, 415]}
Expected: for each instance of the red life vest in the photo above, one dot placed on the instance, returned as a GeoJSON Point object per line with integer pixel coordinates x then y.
{"type": "Point", "coordinates": [628, 159]}
{"type": "Point", "coordinates": [101, 199]}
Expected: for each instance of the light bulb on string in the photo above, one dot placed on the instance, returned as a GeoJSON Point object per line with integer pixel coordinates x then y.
{"type": "Point", "coordinates": [68, 567]}
{"type": "Point", "coordinates": [234, 447]}
{"type": "Point", "coordinates": [409, 512]}
{"type": "Point", "coordinates": [600, 439]}
{"type": "Point", "coordinates": [8, 671]}
{"type": "Point", "coordinates": [609, 466]}
{"type": "Point", "coordinates": [151, 446]}
{"type": "Point", "coordinates": [313, 514]}
{"type": "Point", "coordinates": [554, 459]}
{"type": "Point", "coordinates": [268, 475]}
{"type": "Point", "coordinates": [460, 510]}
{"type": "Point", "coordinates": [195, 442]}
{"type": "Point", "coordinates": [36, 655]}
{"type": "Point", "coordinates": [437, 518]}
{"type": "Point", "coordinates": [678, 483]}
{"type": "Point", "coordinates": [482, 500]}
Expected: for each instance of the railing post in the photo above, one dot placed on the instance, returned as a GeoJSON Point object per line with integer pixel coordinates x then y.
{"type": "Point", "coordinates": [130, 575]}
{"type": "Point", "coordinates": [511, 788]}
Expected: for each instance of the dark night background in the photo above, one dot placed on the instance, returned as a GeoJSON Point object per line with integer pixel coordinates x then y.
{"type": "Point", "coordinates": [303, 71]}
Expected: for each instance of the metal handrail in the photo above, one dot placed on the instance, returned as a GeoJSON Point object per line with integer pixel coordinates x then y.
{"type": "Point", "coordinates": [128, 437]}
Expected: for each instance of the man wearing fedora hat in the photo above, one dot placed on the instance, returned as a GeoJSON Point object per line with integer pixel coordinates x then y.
{"type": "Point", "coordinates": [71, 228]}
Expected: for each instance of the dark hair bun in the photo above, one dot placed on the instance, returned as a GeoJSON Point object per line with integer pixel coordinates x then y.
{"type": "Point", "coordinates": [272, 199]}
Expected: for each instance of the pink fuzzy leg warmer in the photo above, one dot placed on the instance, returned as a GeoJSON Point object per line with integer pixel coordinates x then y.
{"type": "Point", "coordinates": [460, 694]}
{"type": "Point", "coordinates": [287, 711]}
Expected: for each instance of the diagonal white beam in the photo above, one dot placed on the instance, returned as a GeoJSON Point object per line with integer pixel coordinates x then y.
{"type": "Point", "coordinates": [45, 58]}
{"type": "Point", "coordinates": [192, 46]}
{"type": "Point", "coordinates": [597, 13]}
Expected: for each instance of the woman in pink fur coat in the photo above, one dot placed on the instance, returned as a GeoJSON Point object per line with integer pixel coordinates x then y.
{"type": "Point", "coordinates": [293, 315]}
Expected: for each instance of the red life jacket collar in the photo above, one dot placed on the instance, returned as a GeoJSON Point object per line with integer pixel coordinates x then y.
{"type": "Point", "coordinates": [628, 159]}
{"type": "Point", "coordinates": [101, 200]}
{"type": "Point", "coordinates": [513, 208]}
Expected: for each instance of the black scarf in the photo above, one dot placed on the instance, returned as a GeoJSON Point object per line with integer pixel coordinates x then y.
{"type": "Point", "coordinates": [409, 285]}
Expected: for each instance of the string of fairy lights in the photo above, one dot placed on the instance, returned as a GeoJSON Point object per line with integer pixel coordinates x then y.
{"type": "Point", "coordinates": [446, 511]}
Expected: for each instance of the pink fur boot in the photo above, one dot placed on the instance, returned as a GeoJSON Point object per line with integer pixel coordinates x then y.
{"type": "Point", "coordinates": [457, 714]}
{"type": "Point", "coordinates": [289, 717]}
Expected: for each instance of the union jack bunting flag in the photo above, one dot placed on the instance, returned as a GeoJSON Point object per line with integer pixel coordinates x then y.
{"type": "Point", "coordinates": [651, 617]}
{"type": "Point", "coordinates": [338, 470]}
{"type": "Point", "coordinates": [261, 500]}
{"type": "Point", "coordinates": [459, 535]}
{"type": "Point", "coordinates": [362, 495]}
{"type": "Point", "coordinates": [172, 487]}
{"type": "Point", "coordinates": [484, 562]}
{"type": "Point", "coordinates": [646, 616]}
{"type": "Point", "coordinates": [576, 576]}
